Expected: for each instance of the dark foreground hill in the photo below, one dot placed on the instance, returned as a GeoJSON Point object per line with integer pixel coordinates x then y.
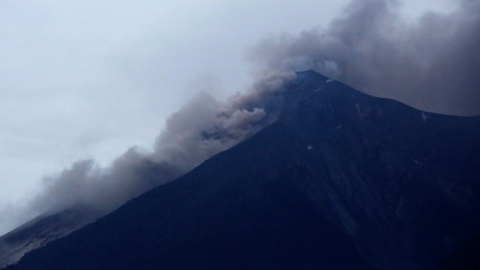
{"type": "Point", "coordinates": [341, 181]}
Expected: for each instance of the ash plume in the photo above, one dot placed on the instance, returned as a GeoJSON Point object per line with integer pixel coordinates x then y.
{"type": "Point", "coordinates": [432, 64]}
{"type": "Point", "coordinates": [202, 128]}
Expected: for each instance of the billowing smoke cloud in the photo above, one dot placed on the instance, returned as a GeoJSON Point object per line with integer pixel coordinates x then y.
{"type": "Point", "coordinates": [432, 64]}
{"type": "Point", "coordinates": [202, 128]}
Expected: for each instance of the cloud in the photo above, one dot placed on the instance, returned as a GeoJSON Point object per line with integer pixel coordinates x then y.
{"type": "Point", "coordinates": [432, 63]}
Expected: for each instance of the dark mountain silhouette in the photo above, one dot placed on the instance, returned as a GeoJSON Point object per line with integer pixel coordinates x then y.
{"type": "Point", "coordinates": [341, 180]}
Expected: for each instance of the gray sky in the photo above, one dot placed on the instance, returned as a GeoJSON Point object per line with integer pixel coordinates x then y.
{"type": "Point", "coordinates": [85, 79]}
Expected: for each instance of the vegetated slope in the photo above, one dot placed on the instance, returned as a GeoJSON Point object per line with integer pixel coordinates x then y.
{"type": "Point", "coordinates": [341, 181]}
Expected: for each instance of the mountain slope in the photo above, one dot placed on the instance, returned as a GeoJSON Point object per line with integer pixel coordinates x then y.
{"type": "Point", "coordinates": [42, 230]}
{"type": "Point", "coordinates": [341, 181]}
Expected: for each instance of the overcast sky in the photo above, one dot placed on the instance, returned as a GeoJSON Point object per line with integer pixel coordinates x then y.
{"type": "Point", "coordinates": [88, 79]}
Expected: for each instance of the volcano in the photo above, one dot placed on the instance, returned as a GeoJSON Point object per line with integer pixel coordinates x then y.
{"type": "Point", "coordinates": [341, 180]}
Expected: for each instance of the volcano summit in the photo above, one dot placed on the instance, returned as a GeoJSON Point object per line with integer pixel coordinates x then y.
{"type": "Point", "coordinates": [340, 180]}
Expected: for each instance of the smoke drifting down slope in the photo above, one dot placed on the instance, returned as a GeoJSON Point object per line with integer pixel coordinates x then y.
{"type": "Point", "coordinates": [199, 130]}
{"type": "Point", "coordinates": [432, 64]}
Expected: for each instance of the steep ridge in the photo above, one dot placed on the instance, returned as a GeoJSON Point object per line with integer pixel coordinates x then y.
{"type": "Point", "coordinates": [342, 180]}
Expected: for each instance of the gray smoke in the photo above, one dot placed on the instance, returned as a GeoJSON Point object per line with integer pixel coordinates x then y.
{"type": "Point", "coordinates": [432, 64]}
{"type": "Point", "coordinates": [202, 128]}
